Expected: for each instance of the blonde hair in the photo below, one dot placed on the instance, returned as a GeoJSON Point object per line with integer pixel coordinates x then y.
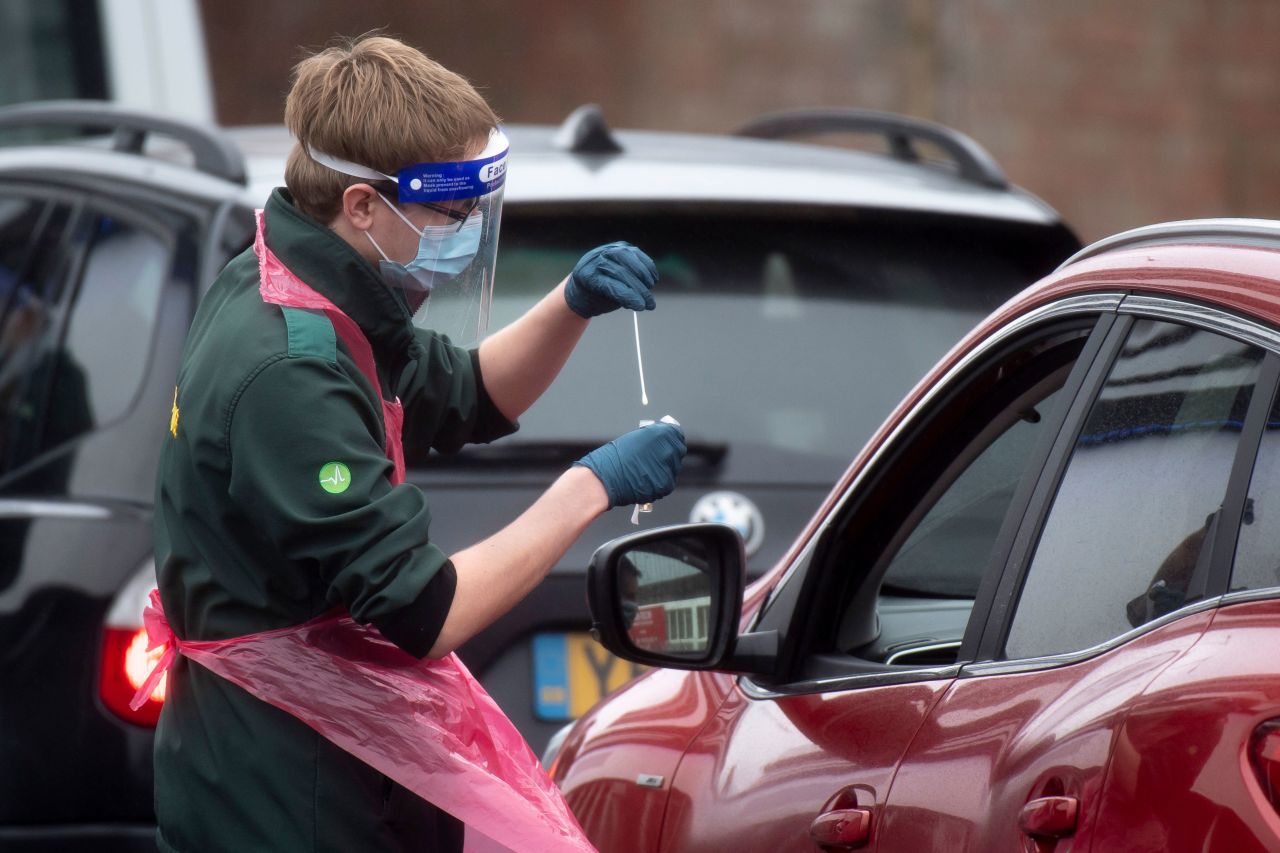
{"type": "Point", "coordinates": [378, 102]}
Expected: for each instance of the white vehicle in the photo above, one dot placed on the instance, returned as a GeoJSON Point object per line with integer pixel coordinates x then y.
{"type": "Point", "coordinates": [147, 54]}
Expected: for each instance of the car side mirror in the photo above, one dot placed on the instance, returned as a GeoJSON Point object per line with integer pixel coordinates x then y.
{"type": "Point", "coordinates": [670, 597]}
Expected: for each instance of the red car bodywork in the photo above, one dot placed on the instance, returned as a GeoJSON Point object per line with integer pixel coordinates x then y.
{"type": "Point", "coordinates": [1149, 739]}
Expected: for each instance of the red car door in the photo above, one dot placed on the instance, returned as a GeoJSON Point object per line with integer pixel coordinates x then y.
{"type": "Point", "coordinates": [874, 614]}
{"type": "Point", "coordinates": [1114, 593]}
{"type": "Point", "coordinates": [1196, 763]}
{"type": "Point", "coordinates": [766, 769]}
{"type": "Point", "coordinates": [999, 745]}
{"type": "Point", "coordinates": [1194, 760]}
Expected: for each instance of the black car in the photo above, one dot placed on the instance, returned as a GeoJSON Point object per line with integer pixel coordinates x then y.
{"type": "Point", "coordinates": [804, 289]}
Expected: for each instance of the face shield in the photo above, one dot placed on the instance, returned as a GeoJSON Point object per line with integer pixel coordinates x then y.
{"type": "Point", "coordinates": [448, 285]}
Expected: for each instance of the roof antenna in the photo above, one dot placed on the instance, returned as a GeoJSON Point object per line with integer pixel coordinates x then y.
{"type": "Point", "coordinates": [585, 132]}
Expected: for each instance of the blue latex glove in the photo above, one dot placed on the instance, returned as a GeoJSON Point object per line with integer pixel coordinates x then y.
{"type": "Point", "coordinates": [612, 276]}
{"type": "Point", "coordinates": [640, 466]}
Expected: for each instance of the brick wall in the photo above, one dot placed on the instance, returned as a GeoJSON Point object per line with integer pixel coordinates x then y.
{"type": "Point", "coordinates": [1118, 114]}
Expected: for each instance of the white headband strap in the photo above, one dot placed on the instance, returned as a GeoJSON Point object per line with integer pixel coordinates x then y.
{"type": "Point", "coordinates": [346, 167]}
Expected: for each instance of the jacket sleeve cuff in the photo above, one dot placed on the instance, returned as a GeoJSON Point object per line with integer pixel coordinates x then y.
{"type": "Point", "coordinates": [491, 424]}
{"type": "Point", "coordinates": [416, 626]}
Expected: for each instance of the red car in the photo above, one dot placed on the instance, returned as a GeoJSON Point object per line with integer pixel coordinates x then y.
{"type": "Point", "coordinates": [1040, 612]}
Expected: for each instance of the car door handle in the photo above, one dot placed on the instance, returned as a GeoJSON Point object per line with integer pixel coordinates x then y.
{"type": "Point", "coordinates": [841, 829]}
{"type": "Point", "coordinates": [1049, 817]}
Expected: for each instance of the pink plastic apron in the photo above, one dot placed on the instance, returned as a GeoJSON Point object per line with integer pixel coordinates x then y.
{"type": "Point", "coordinates": [427, 724]}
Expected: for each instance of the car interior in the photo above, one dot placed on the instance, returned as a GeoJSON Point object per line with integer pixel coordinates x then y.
{"type": "Point", "coordinates": [921, 538]}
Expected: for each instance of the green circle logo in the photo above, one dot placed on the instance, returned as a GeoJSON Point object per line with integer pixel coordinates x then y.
{"type": "Point", "coordinates": [335, 478]}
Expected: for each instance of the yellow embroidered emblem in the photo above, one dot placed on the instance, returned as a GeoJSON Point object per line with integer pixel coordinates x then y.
{"type": "Point", "coordinates": [173, 416]}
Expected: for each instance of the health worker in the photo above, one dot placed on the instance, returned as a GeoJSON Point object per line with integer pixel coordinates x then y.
{"type": "Point", "coordinates": [314, 702]}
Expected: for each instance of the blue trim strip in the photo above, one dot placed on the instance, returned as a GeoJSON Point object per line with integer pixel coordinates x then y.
{"type": "Point", "coordinates": [1122, 433]}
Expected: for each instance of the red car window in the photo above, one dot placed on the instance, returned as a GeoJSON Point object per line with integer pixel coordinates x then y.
{"type": "Point", "coordinates": [923, 545]}
{"type": "Point", "coordinates": [1123, 541]}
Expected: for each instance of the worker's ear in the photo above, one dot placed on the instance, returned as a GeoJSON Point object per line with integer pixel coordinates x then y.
{"type": "Point", "coordinates": [358, 201]}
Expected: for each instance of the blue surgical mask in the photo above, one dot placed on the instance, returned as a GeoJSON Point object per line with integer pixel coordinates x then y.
{"type": "Point", "coordinates": [443, 250]}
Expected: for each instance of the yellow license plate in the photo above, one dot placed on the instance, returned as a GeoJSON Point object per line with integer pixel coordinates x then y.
{"type": "Point", "coordinates": [571, 672]}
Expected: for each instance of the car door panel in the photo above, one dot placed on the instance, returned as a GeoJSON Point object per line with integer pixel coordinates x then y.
{"type": "Point", "coordinates": [1179, 781]}
{"type": "Point", "coordinates": [759, 775]}
{"type": "Point", "coordinates": [620, 796]}
{"type": "Point", "coordinates": [994, 743]}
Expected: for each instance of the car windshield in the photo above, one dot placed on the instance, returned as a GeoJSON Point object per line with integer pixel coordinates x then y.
{"type": "Point", "coordinates": [782, 339]}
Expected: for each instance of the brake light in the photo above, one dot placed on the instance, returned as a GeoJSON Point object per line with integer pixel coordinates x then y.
{"type": "Point", "coordinates": [138, 663]}
{"type": "Point", "coordinates": [125, 665]}
{"type": "Point", "coordinates": [1264, 757]}
{"type": "Point", "coordinates": [125, 662]}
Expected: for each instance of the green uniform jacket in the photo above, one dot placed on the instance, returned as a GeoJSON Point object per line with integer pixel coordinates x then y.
{"type": "Point", "coordinates": [249, 539]}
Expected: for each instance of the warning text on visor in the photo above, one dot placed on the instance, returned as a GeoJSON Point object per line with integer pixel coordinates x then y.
{"type": "Point", "coordinates": [448, 181]}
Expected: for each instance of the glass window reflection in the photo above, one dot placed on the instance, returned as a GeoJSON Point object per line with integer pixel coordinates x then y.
{"type": "Point", "coordinates": [1123, 542]}
{"type": "Point", "coordinates": [665, 596]}
{"type": "Point", "coordinates": [34, 267]}
{"type": "Point", "coordinates": [79, 302]}
{"type": "Point", "coordinates": [810, 302]}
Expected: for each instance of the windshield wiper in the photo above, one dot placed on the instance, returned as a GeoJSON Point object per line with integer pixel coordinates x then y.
{"type": "Point", "coordinates": [701, 456]}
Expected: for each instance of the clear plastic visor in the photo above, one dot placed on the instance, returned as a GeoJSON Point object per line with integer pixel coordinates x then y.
{"type": "Point", "coordinates": [449, 288]}
{"type": "Point", "coordinates": [456, 210]}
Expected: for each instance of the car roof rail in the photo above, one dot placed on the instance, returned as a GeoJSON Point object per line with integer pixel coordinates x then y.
{"type": "Point", "coordinates": [586, 132]}
{"type": "Point", "coordinates": [973, 162]}
{"type": "Point", "coordinates": [1256, 232]}
{"type": "Point", "coordinates": [213, 152]}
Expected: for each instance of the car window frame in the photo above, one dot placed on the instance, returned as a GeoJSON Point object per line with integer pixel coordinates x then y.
{"type": "Point", "coordinates": [795, 597]}
{"type": "Point", "coordinates": [989, 659]}
{"type": "Point", "coordinates": [1250, 593]}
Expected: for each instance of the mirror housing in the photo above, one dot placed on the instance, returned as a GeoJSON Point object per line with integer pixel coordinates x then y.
{"type": "Point", "coordinates": [672, 597]}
